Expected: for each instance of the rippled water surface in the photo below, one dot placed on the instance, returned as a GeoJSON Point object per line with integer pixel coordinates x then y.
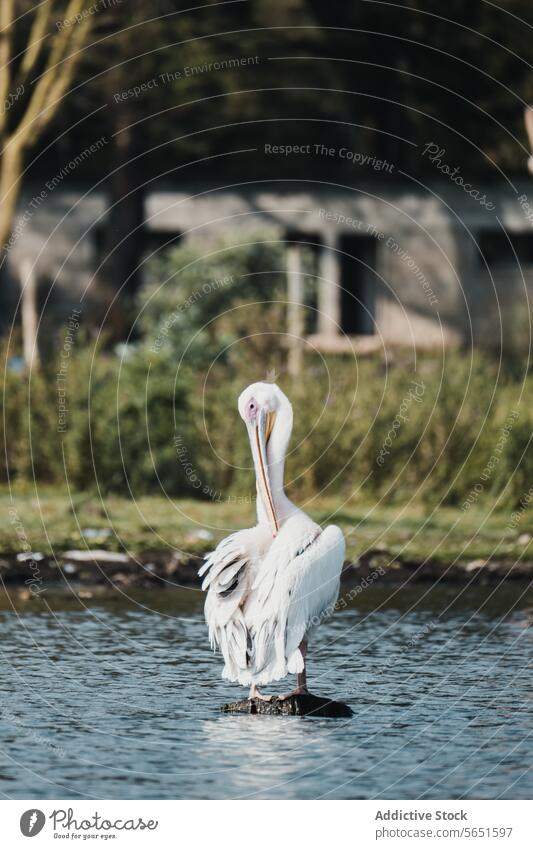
{"type": "Point", "coordinates": [120, 699]}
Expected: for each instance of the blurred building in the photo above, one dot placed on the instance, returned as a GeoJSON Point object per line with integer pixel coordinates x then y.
{"type": "Point", "coordinates": [399, 264]}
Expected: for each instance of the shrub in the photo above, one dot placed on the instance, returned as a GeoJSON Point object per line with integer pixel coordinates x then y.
{"type": "Point", "coordinates": [150, 424]}
{"type": "Point", "coordinates": [192, 296]}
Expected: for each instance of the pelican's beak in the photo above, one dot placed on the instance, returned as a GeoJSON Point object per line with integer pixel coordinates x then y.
{"type": "Point", "coordinates": [260, 431]}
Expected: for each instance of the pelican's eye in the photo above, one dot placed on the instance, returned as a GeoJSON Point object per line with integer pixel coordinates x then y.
{"type": "Point", "coordinates": [252, 408]}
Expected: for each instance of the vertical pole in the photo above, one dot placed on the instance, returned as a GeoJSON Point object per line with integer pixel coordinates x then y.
{"type": "Point", "coordinates": [329, 292]}
{"type": "Point", "coordinates": [295, 316]}
{"type": "Point", "coordinates": [29, 320]}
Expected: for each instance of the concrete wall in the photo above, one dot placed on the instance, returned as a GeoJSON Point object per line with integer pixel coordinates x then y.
{"type": "Point", "coordinates": [431, 286]}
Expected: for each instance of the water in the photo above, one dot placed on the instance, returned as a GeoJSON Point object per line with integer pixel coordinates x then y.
{"type": "Point", "coordinates": [119, 698]}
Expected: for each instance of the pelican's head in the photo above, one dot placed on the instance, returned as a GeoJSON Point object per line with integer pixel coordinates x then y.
{"type": "Point", "coordinates": [264, 408]}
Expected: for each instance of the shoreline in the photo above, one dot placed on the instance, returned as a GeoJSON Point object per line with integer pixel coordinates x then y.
{"type": "Point", "coordinates": [165, 568]}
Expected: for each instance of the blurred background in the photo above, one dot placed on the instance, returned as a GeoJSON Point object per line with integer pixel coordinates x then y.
{"type": "Point", "coordinates": [334, 196]}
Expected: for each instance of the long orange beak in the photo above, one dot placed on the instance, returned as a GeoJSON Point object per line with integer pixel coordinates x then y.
{"type": "Point", "coordinates": [260, 433]}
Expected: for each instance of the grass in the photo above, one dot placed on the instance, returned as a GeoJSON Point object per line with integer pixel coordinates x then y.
{"type": "Point", "coordinates": [50, 520]}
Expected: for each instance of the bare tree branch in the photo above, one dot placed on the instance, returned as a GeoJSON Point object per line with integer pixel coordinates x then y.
{"type": "Point", "coordinates": [56, 77]}
{"type": "Point", "coordinates": [7, 11]}
{"type": "Point", "coordinates": [70, 65]}
{"type": "Point", "coordinates": [64, 51]}
{"type": "Point", "coordinates": [36, 40]}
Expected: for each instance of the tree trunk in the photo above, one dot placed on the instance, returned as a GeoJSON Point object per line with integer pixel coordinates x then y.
{"type": "Point", "coordinates": [295, 315]}
{"type": "Point", "coordinates": [10, 182]}
{"type": "Point", "coordinates": [123, 235]}
{"type": "Point", "coordinates": [29, 313]}
{"type": "Point", "coordinates": [11, 166]}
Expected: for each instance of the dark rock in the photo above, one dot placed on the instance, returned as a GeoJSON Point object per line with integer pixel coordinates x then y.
{"type": "Point", "coordinates": [305, 705]}
{"type": "Point", "coordinates": [174, 567]}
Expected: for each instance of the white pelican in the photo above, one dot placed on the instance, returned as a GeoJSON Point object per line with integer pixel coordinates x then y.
{"type": "Point", "coordinates": [269, 586]}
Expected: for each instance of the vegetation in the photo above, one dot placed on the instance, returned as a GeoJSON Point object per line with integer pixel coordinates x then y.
{"type": "Point", "coordinates": [455, 73]}
{"type": "Point", "coordinates": [40, 53]}
{"type": "Point", "coordinates": [162, 418]}
{"type": "Point", "coordinates": [55, 520]}
{"type": "Point", "coordinates": [145, 425]}
{"type": "Point", "coordinates": [419, 439]}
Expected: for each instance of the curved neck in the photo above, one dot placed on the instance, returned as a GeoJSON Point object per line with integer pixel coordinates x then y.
{"type": "Point", "coordinates": [276, 451]}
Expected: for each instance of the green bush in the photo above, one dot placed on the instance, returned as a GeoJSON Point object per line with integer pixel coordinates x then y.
{"type": "Point", "coordinates": [191, 295]}
{"type": "Point", "coordinates": [122, 427]}
{"type": "Point", "coordinates": [165, 418]}
{"type": "Point", "coordinates": [143, 425]}
{"type": "Point", "coordinates": [514, 477]}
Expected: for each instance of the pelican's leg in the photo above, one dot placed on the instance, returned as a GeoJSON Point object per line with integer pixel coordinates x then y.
{"type": "Point", "coordinates": [301, 677]}
{"type": "Point", "coordinates": [255, 694]}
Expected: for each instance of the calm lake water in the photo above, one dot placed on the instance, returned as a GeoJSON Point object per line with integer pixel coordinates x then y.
{"type": "Point", "coordinates": [120, 699]}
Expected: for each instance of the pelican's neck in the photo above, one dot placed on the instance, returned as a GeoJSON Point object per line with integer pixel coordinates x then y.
{"type": "Point", "coordinates": [276, 451]}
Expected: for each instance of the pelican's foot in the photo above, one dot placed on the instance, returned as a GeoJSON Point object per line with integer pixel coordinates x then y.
{"type": "Point", "coordinates": [255, 694]}
{"type": "Point", "coordinates": [298, 691]}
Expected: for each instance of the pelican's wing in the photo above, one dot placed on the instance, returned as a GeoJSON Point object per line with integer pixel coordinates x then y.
{"type": "Point", "coordinates": [223, 564]}
{"type": "Point", "coordinates": [295, 589]}
{"type": "Point", "coordinates": [228, 573]}
{"type": "Point", "coordinates": [314, 590]}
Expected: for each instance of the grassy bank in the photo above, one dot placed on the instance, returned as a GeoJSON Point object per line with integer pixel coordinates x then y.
{"type": "Point", "coordinates": [52, 522]}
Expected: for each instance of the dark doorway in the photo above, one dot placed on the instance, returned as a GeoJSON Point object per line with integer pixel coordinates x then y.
{"type": "Point", "coordinates": [358, 281]}
{"type": "Point", "coordinates": [159, 240]}
{"type": "Point", "coordinates": [499, 249]}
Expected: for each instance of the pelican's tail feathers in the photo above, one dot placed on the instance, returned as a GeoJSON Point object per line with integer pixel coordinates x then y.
{"type": "Point", "coordinates": [295, 664]}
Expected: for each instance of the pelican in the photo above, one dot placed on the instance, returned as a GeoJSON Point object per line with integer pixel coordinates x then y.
{"type": "Point", "coordinates": [270, 586]}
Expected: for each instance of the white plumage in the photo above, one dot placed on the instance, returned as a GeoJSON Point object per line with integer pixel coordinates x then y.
{"type": "Point", "coordinates": [269, 586]}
